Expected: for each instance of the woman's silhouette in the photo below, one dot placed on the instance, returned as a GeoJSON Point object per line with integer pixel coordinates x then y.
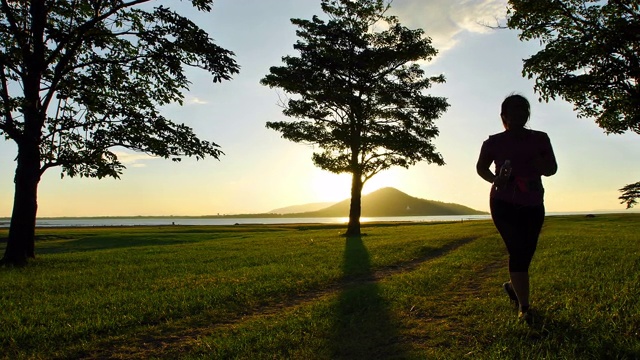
{"type": "Point", "coordinates": [521, 157]}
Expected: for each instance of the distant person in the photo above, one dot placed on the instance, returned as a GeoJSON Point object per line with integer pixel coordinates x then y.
{"type": "Point", "coordinates": [521, 156]}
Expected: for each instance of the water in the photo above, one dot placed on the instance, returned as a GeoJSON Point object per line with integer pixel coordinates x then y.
{"type": "Point", "coordinates": [162, 221]}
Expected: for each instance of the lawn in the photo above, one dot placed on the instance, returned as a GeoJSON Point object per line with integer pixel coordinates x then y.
{"type": "Point", "coordinates": [403, 291]}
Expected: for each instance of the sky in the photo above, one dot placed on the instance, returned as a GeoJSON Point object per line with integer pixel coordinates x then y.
{"type": "Point", "coordinates": [260, 171]}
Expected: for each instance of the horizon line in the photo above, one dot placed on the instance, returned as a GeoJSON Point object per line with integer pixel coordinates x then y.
{"type": "Point", "coordinates": [576, 212]}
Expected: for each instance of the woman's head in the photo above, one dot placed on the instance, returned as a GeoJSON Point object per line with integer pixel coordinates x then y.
{"type": "Point", "coordinates": [515, 112]}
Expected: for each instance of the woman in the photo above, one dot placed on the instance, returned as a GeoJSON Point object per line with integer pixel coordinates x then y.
{"type": "Point", "coordinates": [521, 156]}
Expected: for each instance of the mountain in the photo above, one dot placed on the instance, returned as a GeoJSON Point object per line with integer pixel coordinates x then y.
{"type": "Point", "coordinates": [393, 202]}
{"type": "Point", "coordinates": [301, 208]}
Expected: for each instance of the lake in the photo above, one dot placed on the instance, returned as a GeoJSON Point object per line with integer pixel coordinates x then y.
{"type": "Point", "coordinates": [160, 221]}
{"type": "Point", "coordinates": [176, 220]}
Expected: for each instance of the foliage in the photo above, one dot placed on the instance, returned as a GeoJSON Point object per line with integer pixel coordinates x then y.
{"type": "Point", "coordinates": [93, 74]}
{"type": "Point", "coordinates": [630, 194]}
{"type": "Point", "coordinates": [590, 57]}
{"type": "Point", "coordinates": [358, 91]}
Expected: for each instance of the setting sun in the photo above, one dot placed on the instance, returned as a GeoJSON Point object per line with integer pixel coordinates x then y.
{"type": "Point", "coordinates": [328, 186]}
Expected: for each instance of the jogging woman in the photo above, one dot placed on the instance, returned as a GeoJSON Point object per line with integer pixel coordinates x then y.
{"type": "Point", "coordinates": [521, 157]}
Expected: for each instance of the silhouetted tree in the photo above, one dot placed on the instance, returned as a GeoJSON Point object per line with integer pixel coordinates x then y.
{"type": "Point", "coordinates": [358, 93]}
{"type": "Point", "coordinates": [81, 77]}
{"type": "Point", "coordinates": [590, 57]}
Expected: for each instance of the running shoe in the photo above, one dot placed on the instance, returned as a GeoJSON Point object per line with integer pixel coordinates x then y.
{"type": "Point", "coordinates": [525, 315]}
{"type": "Point", "coordinates": [512, 294]}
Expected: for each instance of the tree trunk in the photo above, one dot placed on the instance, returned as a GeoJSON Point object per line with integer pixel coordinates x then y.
{"type": "Point", "coordinates": [21, 242]}
{"type": "Point", "coordinates": [355, 209]}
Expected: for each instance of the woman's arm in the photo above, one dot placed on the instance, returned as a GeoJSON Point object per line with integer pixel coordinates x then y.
{"type": "Point", "coordinates": [546, 163]}
{"type": "Point", "coordinates": [483, 165]}
{"type": "Point", "coordinates": [482, 168]}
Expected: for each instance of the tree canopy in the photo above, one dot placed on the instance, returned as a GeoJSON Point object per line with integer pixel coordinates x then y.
{"type": "Point", "coordinates": [590, 58]}
{"type": "Point", "coordinates": [78, 78]}
{"type": "Point", "coordinates": [357, 92]}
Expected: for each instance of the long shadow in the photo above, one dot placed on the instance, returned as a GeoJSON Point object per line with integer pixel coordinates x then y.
{"type": "Point", "coordinates": [363, 328]}
{"type": "Point", "coordinates": [57, 244]}
{"type": "Point", "coordinates": [100, 243]}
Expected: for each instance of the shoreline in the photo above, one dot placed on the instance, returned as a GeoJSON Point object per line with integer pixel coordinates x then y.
{"type": "Point", "coordinates": [300, 215]}
{"type": "Point", "coordinates": [99, 222]}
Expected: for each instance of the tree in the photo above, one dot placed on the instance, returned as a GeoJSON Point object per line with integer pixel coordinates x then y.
{"type": "Point", "coordinates": [590, 58]}
{"type": "Point", "coordinates": [359, 94]}
{"type": "Point", "coordinates": [79, 78]}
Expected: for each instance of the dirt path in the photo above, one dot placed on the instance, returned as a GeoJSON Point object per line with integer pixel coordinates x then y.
{"type": "Point", "coordinates": [184, 334]}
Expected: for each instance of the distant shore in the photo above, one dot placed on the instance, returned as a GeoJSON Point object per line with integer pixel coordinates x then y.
{"type": "Point", "coordinates": [230, 220]}
{"type": "Point", "coordinates": [230, 216]}
{"type": "Point", "coordinates": [299, 215]}
{"type": "Point", "coordinates": [274, 219]}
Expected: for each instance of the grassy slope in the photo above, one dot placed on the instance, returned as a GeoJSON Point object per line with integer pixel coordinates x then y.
{"type": "Point", "coordinates": [406, 291]}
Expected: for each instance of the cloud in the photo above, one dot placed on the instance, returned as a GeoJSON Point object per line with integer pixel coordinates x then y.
{"type": "Point", "coordinates": [196, 100]}
{"type": "Point", "coordinates": [134, 159]}
{"type": "Point", "coordinates": [443, 20]}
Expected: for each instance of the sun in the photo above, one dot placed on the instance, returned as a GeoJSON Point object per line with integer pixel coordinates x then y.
{"type": "Point", "coordinates": [381, 180]}
{"type": "Point", "coordinates": [328, 187]}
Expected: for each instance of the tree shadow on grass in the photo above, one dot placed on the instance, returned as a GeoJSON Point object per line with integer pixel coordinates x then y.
{"type": "Point", "coordinates": [100, 243]}
{"type": "Point", "coordinates": [363, 328]}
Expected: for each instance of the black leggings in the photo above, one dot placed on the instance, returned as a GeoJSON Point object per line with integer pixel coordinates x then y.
{"type": "Point", "coordinates": [519, 227]}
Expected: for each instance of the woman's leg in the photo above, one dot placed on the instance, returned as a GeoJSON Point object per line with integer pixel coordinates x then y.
{"type": "Point", "coordinates": [530, 222]}
{"type": "Point", "coordinates": [519, 228]}
{"type": "Point", "coordinates": [520, 285]}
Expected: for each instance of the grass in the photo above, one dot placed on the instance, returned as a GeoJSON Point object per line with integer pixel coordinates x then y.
{"type": "Point", "coordinates": [403, 291]}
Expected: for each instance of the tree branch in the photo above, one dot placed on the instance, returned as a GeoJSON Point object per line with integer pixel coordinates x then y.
{"type": "Point", "coordinates": [80, 125]}
{"type": "Point", "coordinates": [21, 40]}
{"type": "Point", "coordinates": [8, 125]}
{"type": "Point", "coordinates": [630, 194]}
{"type": "Point", "coordinates": [75, 42]}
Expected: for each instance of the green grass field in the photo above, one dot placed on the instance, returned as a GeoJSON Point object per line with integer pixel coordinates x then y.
{"type": "Point", "coordinates": [402, 291]}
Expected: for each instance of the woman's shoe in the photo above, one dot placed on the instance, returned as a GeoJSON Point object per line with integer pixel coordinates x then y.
{"type": "Point", "coordinates": [526, 315]}
{"type": "Point", "coordinates": [512, 294]}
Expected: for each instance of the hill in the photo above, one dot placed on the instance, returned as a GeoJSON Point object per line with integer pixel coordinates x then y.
{"type": "Point", "coordinates": [301, 208]}
{"type": "Point", "coordinates": [393, 202]}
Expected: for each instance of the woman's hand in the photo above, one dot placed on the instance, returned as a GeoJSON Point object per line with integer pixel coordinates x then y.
{"type": "Point", "coordinates": [504, 175]}
{"type": "Point", "coordinates": [500, 181]}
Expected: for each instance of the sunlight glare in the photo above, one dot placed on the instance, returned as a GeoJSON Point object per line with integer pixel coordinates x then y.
{"type": "Point", "coordinates": [328, 186]}
{"type": "Point", "coordinates": [384, 179]}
